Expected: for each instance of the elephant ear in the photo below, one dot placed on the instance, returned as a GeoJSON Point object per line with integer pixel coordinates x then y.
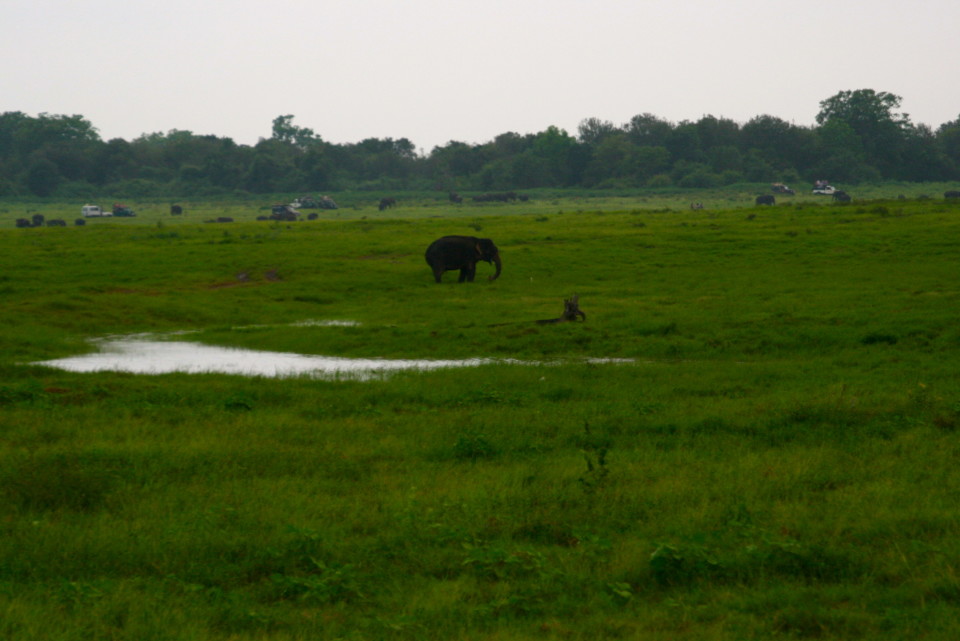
{"type": "Point", "coordinates": [479, 250]}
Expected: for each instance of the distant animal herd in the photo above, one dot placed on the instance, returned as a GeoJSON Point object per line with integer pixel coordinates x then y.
{"type": "Point", "coordinates": [292, 213]}
{"type": "Point", "coordinates": [448, 253]}
{"type": "Point", "coordinates": [38, 220]}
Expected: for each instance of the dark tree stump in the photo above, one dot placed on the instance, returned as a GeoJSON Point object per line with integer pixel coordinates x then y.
{"type": "Point", "coordinates": [571, 312]}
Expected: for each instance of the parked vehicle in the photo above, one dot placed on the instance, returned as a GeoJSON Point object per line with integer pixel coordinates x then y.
{"type": "Point", "coordinates": [122, 210]}
{"type": "Point", "coordinates": [309, 202]}
{"type": "Point", "coordinates": [284, 212]}
{"type": "Point", "coordinates": [94, 211]}
{"type": "Point", "coordinates": [823, 188]}
{"type": "Point", "coordinates": [780, 188]}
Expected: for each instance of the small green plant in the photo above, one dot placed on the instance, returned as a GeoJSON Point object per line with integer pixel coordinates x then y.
{"type": "Point", "coordinates": [322, 584]}
{"type": "Point", "coordinates": [595, 454]}
{"type": "Point", "coordinates": [675, 564]}
{"type": "Point", "coordinates": [238, 403]}
{"type": "Point", "coordinates": [473, 447]}
{"type": "Point", "coordinates": [495, 562]}
{"type": "Point", "coordinates": [874, 338]}
{"type": "Point", "coordinates": [60, 481]}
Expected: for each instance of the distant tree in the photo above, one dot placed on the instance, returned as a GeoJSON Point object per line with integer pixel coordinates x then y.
{"type": "Point", "coordinates": [43, 177]}
{"type": "Point", "coordinates": [717, 132]}
{"type": "Point", "coordinates": [756, 167]}
{"type": "Point", "coordinates": [11, 123]}
{"type": "Point", "coordinates": [766, 133]}
{"type": "Point", "coordinates": [612, 158]}
{"type": "Point", "coordinates": [593, 131]}
{"type": "Point", "coordinates": [860, 135]}
{"type": "Point", "coordinates": [648, 130]}
{"type": "Point", "coordinates": [529, 170]}
{"type": "Point", "coordinates": [226, 163]}
{"type": "Point", "coordinates": [841, 154]}
{"type": "Point", "coordinates": [725, 158]}
{"type": "Point", "coordinates": [865, 110]}
{"type": "Point", "coordinates": [456, 159]}
{"type": "Point", "coordinates": [45, 129]}
{"type": "Point", "coordinates": [285, 131]}
{"type": "Point", "coordinates": [559, 151]}
{"type": "Point", "coordinates": [317, 169]}
{"type": "Point", "coordinates": [650, 161]}
{"type": "Point", "coordinates": [922, 157]}
{"type": "Point", "coordinates": [784, 146]}
{"type": "Point", "coordinates": [272, 168]}
{"type": "Point", "coordinates": [27, 144]}
{"type": "Point", "coordinates": [684, 143]}
{"type": "Point", "coordinates": [497, 175]}
{"type": "Point", "coordinates": [506, 145]}
{"type": "Point", "coordinates": [376, 158]}
{"type": "Point", "coordinates": [692, 174]}
{"type": "Point", "coordinates": [874, 118]}
{"type": "Point", "coordinates": [948, 141]}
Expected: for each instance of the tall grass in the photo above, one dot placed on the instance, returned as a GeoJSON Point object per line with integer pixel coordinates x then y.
{"type": "Point", "coordinates": [777, 460]}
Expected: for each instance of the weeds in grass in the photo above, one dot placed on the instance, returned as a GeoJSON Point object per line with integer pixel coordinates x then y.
{"type": "Point", "coordinates": [321, 584]}
{"type": "Point", "coordinates": [595, 454]}
{"type": "Point", "coordinates": [756, 559]}
{"type": "Point", "coordinates": [473, 447]}
{"type": "Point", "coordinates": [41, 483]}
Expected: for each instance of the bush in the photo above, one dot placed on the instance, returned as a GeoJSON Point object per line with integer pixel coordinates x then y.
{"type": "Point", "coordinates": [701, 179]}
{"type": "Point", "coordinates": [730, 177]}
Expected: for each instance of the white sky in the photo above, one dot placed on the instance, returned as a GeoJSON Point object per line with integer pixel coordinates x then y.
{"type": "Point", "coordinates": [439, 70]}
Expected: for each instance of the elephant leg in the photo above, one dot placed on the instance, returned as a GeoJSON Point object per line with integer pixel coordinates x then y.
{"type": "Point", "coordinates": [437, 273]}
{"type": "Point", "coordinates": [464, 271]}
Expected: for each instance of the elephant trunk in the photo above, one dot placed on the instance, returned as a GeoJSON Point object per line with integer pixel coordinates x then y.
{"type": "Point", "coordinates": [496, 261]}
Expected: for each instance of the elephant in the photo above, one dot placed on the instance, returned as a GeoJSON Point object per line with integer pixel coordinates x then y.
{"type": "Point", "coordinates": [461, 252]}
{"type": "Point", "coordinates": [951, 194]}
{"type": "Point", "coordinates": [766, 199]}
{"type": "Point", "coordinates": [841, 196]}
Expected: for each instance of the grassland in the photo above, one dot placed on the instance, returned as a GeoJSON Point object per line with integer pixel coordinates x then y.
{"type": "Point", "coordinates": [777, 460]}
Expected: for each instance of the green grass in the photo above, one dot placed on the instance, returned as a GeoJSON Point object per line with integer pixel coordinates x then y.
{"type": "Point", "coordinates": [778, 461]}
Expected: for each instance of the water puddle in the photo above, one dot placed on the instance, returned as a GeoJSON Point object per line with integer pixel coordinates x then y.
{"type": "Point", "coordinates": [148, 354]}
{"type": "Point", "coordinates": [139, 355]}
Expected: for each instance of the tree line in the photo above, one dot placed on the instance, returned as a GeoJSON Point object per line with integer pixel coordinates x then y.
{"type": "Point", "coordinates": [859, 136]}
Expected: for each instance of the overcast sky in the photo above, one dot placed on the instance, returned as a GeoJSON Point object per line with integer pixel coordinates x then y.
{"type": "Point", "coordinates": [468, 70]}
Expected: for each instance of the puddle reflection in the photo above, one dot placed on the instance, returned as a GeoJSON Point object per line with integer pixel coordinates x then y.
{"type": "Point", "coordinates": [141, 356]}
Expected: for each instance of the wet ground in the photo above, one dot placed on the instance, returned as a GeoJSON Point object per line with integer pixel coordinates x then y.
{"type": "Point", "coordinates": [139, 355]}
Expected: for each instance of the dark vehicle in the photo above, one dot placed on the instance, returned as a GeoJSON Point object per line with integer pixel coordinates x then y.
{"type": "Point", "coordinates": [284, 212]}
{"type": "Point", "coordinates": [308, 202]}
